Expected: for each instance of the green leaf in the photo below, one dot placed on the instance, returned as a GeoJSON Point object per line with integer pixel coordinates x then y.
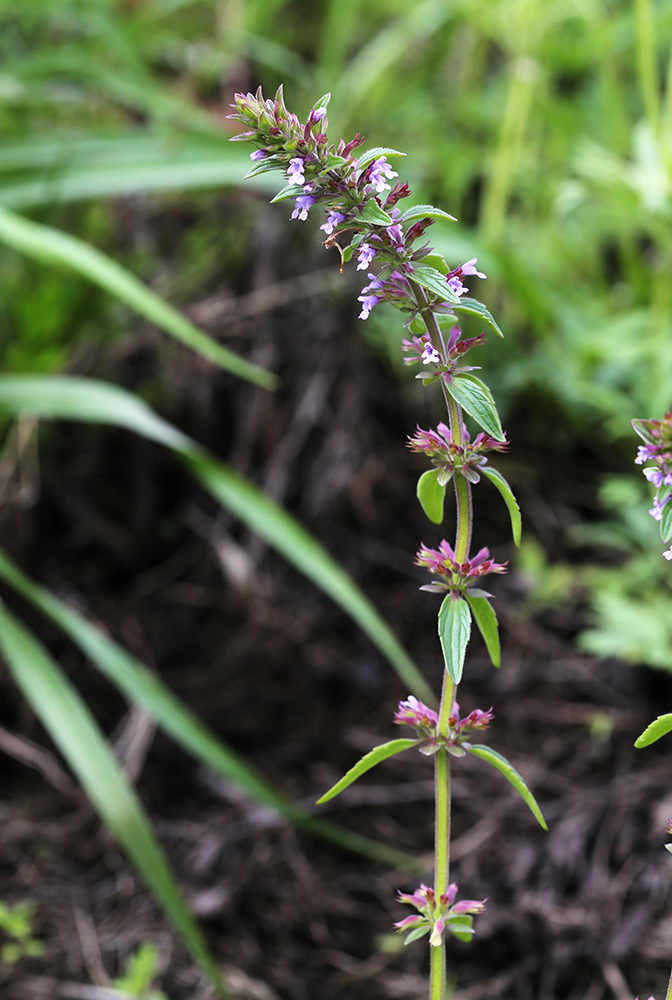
{"type": "Point", "coordinates": [659, 727]}
{"type": "Point", "coordinates": [461, 927]}
{"type": "Point", "coordinates": [424, 212]}
{"type": "Point", "coordinates": [643, 428]}
{"type": "Point", "coordinates": [263, 167]}
{"type": "Point", "coordinates": [372, 213]}
{"type": "Point", "coordinates": [475, 397]}
{"type": "Point", "coordinates": [510, 773]}
{"type": "Point", "coordinates": [370, 155]}
{"type": "Point", "coordinates": [69, 398]}
{"type": "Point", "coordinates": [417, 933]}
{"type": "Point", "coordinates": [666, 523]}
{"type": "Point", "coordinates": [507, 494]}
{"type": "Point", "coordinates": [50, 246]}
{"type": "Point", "coordinates": [323, 102]}
{"type": "Point", "coordinates": [475, 308]}
{"type": "Point", "coordinates": [75, 732]}
{"type": "Point", "coordinates": [370, 760]}
{"type": "Point", "coordinates": [454, 632]}
{"type": "Point", "coordinates": [433, 281]}
{"type": "Point", "coordinates": [142, 686]}
{"type": "Point", "coordinates": [431, 495]}
{"type": "Point", "coordinates": [334, 162]}
{"type": "Point", "coordinates": [486, 619]}
{"type": "Point", "coordinates": [289, 191]}
{"type": "Point", "coordinates": [435, 260]}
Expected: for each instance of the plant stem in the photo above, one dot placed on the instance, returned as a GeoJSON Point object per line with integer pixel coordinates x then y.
{"type": "Point", "coordinates": [668, 995]}
{"type": "Point", "coordinates": [437, 956]}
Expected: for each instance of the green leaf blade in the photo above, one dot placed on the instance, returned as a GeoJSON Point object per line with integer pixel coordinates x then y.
{"type": "Point", "coordinates": [375, 153]}
{"type": "Point", "coordinates": [498, 480]}
{"type": "Point", "coordinates": [475, 308]}
{"type": "Point", "coordinates": [653, 732]}
{"type": "Point", "coordinates": [486, 620]}
{"type": "Point", "coordinates": [69, 398]}
{"type": "Point", "coordinates": [475, 397]}
{"type": "Point", "coordinates": [666, 523]}
{"type": "Point", "coordinates": [431, 495]}
{"type": "Point", "coordinates": [51, 246]}
{"type": "Point", "coordinates": [373, 214]}
{"type": "Point", "coordinates": [435, 282]}
{"type": "Point", "coordinates": [425, 212]}
{"type": "Point", "coordinates": [454, 633]}
{"type": "Point", "coordinates": [371, 759]}
{"type": "Point", "coordinates": [510, 773]}
{"type": "Point", "coordinates": [74, 730]}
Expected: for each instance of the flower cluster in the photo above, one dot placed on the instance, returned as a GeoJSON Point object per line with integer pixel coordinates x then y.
{"type": "Point", "coordinates": [425, 721]}
{"type": "Point", "coordinates": [448, 456]}
{"type": "Point", "coordinates": [437, 915]}
{"type": "Point", "coordinates": [455, 576]}
{"type": "Point", "coordinates": [658, 449]}
{"type": "Point", "coordinates": [444, 356]}
{"type": "Point", "coordinates": [359, 194]}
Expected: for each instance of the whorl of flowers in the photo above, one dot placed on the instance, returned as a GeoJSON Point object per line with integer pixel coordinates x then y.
{"type": "Point", "coordinates": [456, 576]}
{"type": "Point", "coordinates": [425, 721]}
{"type": "Point", "coordinates": [437, 915]}
{"type": "Point", "coordinates": [657, 435]}
{"type": "Point", "coordinates": [448, 456]}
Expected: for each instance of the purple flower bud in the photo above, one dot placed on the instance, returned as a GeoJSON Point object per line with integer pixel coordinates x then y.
{"type": "Point", "coordinates": [258, 154]}
{"type": "Point", "coordinates": [396, 234]}
{"type": "Point", "coordinates": [378, 170]}
{"type": "Point", "coordinates": [435, 938]}
{"type": "Point", "coordinates": [668, 555]}
{"type": "Point", "coordinates": [332, 221]}
{"type": "Point", "coordinates": [414, 713]}
{"type": "Point", "coordinates": [295, 171]}
{"type": "Point", "coordinates": [302, 204]}
{"type": "Point", "coordinates": [366, 255]}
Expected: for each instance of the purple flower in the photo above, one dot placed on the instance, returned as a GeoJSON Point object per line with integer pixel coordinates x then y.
{"type": "Point", "coordinates": [454, 277]}
{"type": "Point", "coordinates": [437, 914]}
{"type": "Point", "coordinates": [455, 576]}
{"type": "Point", "coordinates": [469, 268]}
{"type": "Point", "coordinates": [379, 170]}
{"type": "Point", "coordinates": [430, 355]}
{"type": "Point", "coordinates": [258, 154]}
{"type": "Point", "coordinates": [366, 255]}
{"type": "Point", "coordinates": [332, 221]}
{"type": "Point", "coordinates": [368, 302]}
{"type": "Point", "coordinates": [302, 204]}
{"type": "Point", "coordinates": [295, 171]}
{"type": "Point", "coordinates": [414, 713]}
{"type": "Point", "coordinates": [645, 452]}
{"type": "Point", "coordinates": [317, 114]}
{"type": "Point", "coordinates": [654, 476]}
{"type": "Point", "coordinates": [668, 555]}
{"type": "Point", "coordinates": [656, 511]}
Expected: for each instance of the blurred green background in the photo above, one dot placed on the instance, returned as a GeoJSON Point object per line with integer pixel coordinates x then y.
{"type": "Point", "coordinates": [545, 128]}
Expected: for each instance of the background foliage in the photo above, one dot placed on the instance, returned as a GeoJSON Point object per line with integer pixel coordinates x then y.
{"type": "Point", "coordinates": [545, 128]}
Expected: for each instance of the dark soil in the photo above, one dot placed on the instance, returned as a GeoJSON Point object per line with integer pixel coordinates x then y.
{"type": "Point", "coordinates": [285, 677]}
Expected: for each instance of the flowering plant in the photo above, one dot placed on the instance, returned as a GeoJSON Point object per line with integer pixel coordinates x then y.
{"type": "Point", "coordinates": [361, 195]}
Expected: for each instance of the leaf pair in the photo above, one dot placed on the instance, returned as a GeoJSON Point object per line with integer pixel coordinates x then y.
{"type": "Point", "coordinates": [386, 750]}
{"type": "Point", "coordinates": [431, 493]}
{"type": "Point", "coordinates": [455, 630]}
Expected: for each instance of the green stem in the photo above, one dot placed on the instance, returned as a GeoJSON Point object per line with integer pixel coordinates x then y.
{"type": "Point", "coordinates": [646, 63]}
{"type": "Point", "coordinates": [668, 995]}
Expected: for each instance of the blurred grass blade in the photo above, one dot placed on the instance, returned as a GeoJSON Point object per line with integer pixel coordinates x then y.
{"type": "Point", "coordinates": [51, 246]}
{"type": "Point", "coordinates": [90, 400]}
{"type": "Point", "coordinates": [143, 687]}
{"type": "Point", "coordinates": [75, 732]}
{"type": "Point", "coordinates": [55, 170]}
